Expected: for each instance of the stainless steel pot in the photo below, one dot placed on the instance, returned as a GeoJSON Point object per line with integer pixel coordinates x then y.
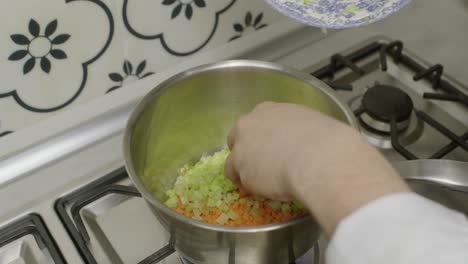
{"type": "Point", "coordinates": [190, 114]}
{"type": "Point", "coordinates": [443, 181]}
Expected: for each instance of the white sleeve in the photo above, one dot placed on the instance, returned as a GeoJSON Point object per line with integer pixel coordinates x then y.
{"type": "Point", "coordinates": [401, 228]}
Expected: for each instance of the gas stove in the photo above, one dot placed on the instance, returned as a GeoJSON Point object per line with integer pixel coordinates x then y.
{"type": "Point", "coordinates": [68, 199]}
{"type": "Point", "coordinates": [407, 108]}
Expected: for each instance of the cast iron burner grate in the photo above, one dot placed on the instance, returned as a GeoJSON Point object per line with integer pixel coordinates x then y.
{"type": "Point", "coordinates": [31, 224]}
{"type": "Point", "coordinates": [433, 74]}
{"type": "Point", "coordinates": [88, 194]}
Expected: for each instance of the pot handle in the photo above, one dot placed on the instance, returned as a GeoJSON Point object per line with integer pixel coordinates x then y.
{"type": "Point", "coordinates": [160, 255]}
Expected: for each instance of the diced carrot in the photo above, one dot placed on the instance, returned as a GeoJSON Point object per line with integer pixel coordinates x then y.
{"type": "Point", "coordinates": [265, 215]}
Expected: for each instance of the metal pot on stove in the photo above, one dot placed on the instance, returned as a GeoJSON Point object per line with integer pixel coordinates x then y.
{"type": "Point", "coordinates": [190, 114]}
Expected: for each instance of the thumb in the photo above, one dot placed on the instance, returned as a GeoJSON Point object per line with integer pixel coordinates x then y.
{"type": "Point", "coordinates": [230, 171]}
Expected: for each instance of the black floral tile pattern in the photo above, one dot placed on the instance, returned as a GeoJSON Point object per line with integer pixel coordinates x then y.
{"type": "Point", "coordinates": [249, 22]}
{"type": "Point", "coordinates": [184, 5]}
{"type": "Point", "coordinates": [213, 9]}
{"type": "Point", "coordinates": [45, 45]}
{"type": "Point", "coordinates": [4, 133]}
{"type": "Point", "coordinates": [39, 46]}
{"type": "Point", "coordinates": [128, 74]}
{"type": "Point", "coordinates": [59, 54]}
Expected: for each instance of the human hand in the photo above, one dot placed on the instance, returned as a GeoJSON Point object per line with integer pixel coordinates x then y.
{"type": "Point", "coordinates": [285, 151]}
{"type": "Point", "coordinates": [267, 143]}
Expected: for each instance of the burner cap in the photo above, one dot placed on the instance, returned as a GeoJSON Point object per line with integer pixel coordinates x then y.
{"type": "Point", "coordinates": [382, 102]}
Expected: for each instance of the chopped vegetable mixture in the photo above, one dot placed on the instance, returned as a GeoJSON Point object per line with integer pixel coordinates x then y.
{"type": "Point", "coordinates": [202, 192]}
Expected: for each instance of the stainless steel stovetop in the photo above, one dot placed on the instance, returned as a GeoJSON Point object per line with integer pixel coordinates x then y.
{"type": "Point", "coordinates": [96, 217]}
{"type": "Point", "coordinates": [380, 78]}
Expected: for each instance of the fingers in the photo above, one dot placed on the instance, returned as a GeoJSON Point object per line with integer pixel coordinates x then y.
{"type": "Point", "coordinates": [234, 132]}
{"type": "Point", "coordinates": [264, 105]}
{"type": "Point", "coordinates": [230, 171]}
{"type": "Point", "coordinates": [232, 137]}
{"type": "Point", "coordinates": [229, 168]}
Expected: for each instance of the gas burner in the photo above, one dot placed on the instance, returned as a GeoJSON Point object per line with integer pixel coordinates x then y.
{"type": "Point", "coordinates": [381, 104]}
{"type": "Point", "coordinates": [386, 113]}
{"type": "Point", "coordinates": [375, 110]}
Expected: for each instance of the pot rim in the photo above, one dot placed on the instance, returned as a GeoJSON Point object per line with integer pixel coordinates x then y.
{"type": "Point", "coordinates": [314, 82]}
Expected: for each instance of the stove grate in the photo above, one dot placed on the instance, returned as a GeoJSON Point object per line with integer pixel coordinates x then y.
{"type": "Point", "coordinates": [433, 74]}
{"type": "Point", "coordinates": [31, 224]}
{"type": "Point", "coordinates": [90, 193]}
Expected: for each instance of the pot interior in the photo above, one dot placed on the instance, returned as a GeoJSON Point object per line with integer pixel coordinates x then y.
{"type": "Point", "coordinates": [192, 115]}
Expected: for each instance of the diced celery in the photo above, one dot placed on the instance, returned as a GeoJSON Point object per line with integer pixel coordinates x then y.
{"type": "Point", "coordinates": [285, 208]}
{"type": "Point", "coordinates": [255, 212]}
{"type": "Point", "coordinates": [224, 208]}
{"type": "Point", "coordinates": [222, 219]}
{"type": "Point", "coordinates": [211, 203]}
{"type": "Point", "coordinates": [171, 193]}
{"type": "Point", "coordinates": [295, 206]}
{"type": "Point", "coordinates": [197, 214]}
{"type": "Point", "coordinates": [235, 196]}
{"type": "Point", "coordinates": [196, 205]}
{"type": "Point", "coordinates": [172, 202]}
{"type": "Point", "coordinates": [275, 205]}
{"type": "Point", "coordinates": [197, 217]}
{"type": "Point", "coordinates": [203, 185]}
{"type": "Point", "coordinates": [256, 205]}
{"type": "Point", "coordinates": [233, 215]}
